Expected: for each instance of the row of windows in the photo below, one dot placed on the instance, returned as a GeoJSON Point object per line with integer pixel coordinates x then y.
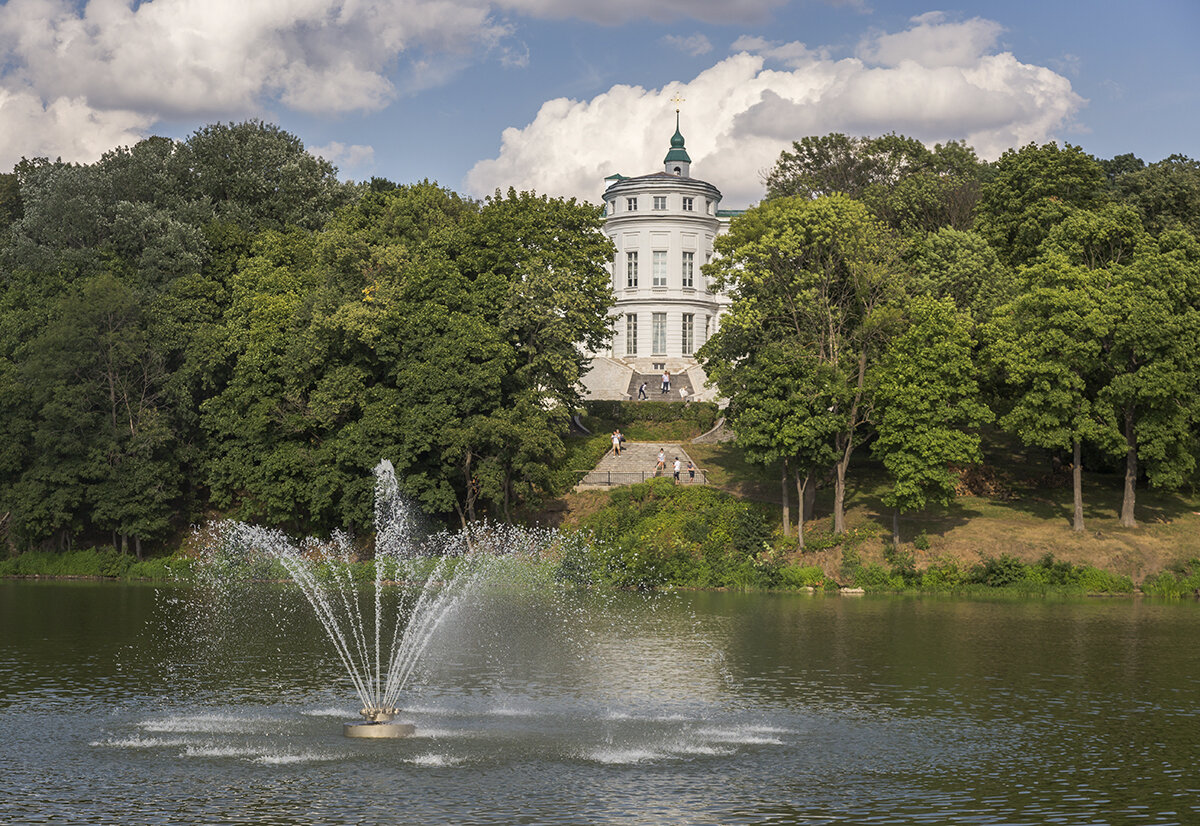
{"type": "Point", "coordinates": [658, 333]}
{"type": "Point", "coordinates": [658, 269]}
{"type": "Point", "coordinates": [659, 203]}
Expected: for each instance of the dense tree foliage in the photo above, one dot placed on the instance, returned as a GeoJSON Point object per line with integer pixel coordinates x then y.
{"type": "Point", "coordinates": [910, 187]}
{"type": "Point", "coordinates": [1060, 288]}
{"type": "Point", "coordinates": [219, 323]}
{"type": "Point", "coordinates": [928, 409]}
{"type": "Point", "coordinates": [820, 278]}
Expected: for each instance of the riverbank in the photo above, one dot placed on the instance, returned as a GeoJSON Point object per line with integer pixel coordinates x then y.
{"type": "Point", "coordinates": [638, 560]}
{"type": "Point", "coordinates": [1017, 505]}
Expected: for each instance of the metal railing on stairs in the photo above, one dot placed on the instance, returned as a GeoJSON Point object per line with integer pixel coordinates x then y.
{"type": "Point", "coordinates": [614, 478]}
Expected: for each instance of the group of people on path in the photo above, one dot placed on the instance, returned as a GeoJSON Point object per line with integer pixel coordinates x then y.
{"type": "Point", "coordinates": [666, 385]}
{"type": "Point", "coordinates": [676, 467]}
{"type": "Point", "coordinates": [618, 441]}
{"type": "Point", "coordinates": [666, 388]}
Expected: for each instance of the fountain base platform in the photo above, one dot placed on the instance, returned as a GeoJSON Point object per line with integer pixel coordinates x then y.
{"type": "Point", "coordinates": [378, 730]}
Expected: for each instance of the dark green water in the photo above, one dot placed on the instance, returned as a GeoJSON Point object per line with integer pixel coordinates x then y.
{"type": "Point", "coordinates": [137, 704]}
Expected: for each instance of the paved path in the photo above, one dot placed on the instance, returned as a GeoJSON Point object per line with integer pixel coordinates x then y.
{"type": "Point", "coordinates": [637, 464]}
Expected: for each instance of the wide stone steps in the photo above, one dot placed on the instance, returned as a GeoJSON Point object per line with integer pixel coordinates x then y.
{"type": "Point", "coordinates": [679, 381]}
{"type": "Point", "coordinates": [637, 463]}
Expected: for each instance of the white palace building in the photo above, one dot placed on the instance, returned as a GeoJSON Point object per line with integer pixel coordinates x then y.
{"type": "Point", "coordinates": [662, 225]}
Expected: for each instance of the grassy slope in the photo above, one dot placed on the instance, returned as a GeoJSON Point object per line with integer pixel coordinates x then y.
{"type": "Point", "coordinates": [1025, 511]}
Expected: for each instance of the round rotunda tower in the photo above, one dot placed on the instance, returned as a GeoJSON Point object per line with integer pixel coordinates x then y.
{"type": "Point", "coordinates": [662, 226]}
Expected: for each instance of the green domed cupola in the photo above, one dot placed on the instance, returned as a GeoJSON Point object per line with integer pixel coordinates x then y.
{"type": "Point", "coordinates": [677, 161]}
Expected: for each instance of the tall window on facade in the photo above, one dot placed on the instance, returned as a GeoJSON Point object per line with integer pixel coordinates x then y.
{"type": "Point", "coordinates": [687, 204]}
{"type": "Point", "coordinates": [689, 268]}
{"type": "Point", "coordinates": [631, 204]}
{"type": "Point", "coordinates": [658, 331]}
{"type": "Point", "coordinates": [659, 270]}
{"type": "Point", "coordinates": [689, 327]}
{"type": "Point", "coordinates": [631, 269]}
{"type": "Point", "coordinates": [660, 201]}
{"type": "Point", "coordinates": [631, 335]}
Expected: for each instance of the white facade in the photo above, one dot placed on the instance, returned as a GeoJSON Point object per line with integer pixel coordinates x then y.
{"type": "Point", "coordinates": [662, 226]}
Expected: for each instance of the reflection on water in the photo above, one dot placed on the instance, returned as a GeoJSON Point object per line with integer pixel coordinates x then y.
{"type": "Point", "coordinates": [693, 708]}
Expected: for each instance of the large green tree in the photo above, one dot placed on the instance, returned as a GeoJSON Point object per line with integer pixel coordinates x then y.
{"type": "Point", "coordinates": [1031, 190]}
{"type": "Point", "coordinates": [442, 334]}
{"type": "Point", "coordinates": [927, 407]}
{"type": "Point", "coordinates": [1101, 347]}
{"type": "Point", "coordinates": [910, 187]}
{"type": "Point", "coordinates": [1166, 194]}
{"type": "Point", "coordinates": [822, 277]}
{"type": "Point", "coordinates": [781, 405]}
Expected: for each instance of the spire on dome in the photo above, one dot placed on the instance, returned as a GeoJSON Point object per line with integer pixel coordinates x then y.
{"type": "Point", "coordinates": [677, 161]}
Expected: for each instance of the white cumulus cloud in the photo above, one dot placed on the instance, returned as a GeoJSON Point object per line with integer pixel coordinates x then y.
{"type": "Point", "coordinates": [936, 81]}
{"type": "Point", "coordinates": [933, 42]}
{"type": "Point", "coordinates": [66, 128]}
{"type": "Point", "coordinates": [128, 65]}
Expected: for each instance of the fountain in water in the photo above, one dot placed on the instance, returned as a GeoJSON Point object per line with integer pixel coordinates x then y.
{"type": "Point", "coordinates": [379, 647]}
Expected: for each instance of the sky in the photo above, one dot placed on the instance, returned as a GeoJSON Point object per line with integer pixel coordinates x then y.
{"type": "Point", "coordinates": [554, 95]}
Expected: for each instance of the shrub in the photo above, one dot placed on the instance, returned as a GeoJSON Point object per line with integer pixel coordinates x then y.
{"type": "Point", "coordinates": [904, 565]}
{"type": "Point", "coordinates": [874, 577]}
{"type": "Point", "coordinates": [851, 562]}
{"type": "Point", "coordinates": [702, 415]}
{"type": "Point", "coordinates": [921, 541]}
{"type": "Point", "coordinates": [1096, 581]}
{"type": "Point", "coordinates": [797, 576]}
{"type": "Point", "coordinates": [942, 575]}
{"type": "Point", "coordinates": [1180, 581]}
{"type": "Point", "coordinates": [658, 533]}
{"type": "Point", "coordinates": [998, 572]}
{"type": "Point", "coordinates": [94, 562]}
{"type": "Point", "coordinates": [1050, 571]}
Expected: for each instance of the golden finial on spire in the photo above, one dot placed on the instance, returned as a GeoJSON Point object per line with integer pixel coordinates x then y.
{"type": "Point", "coordinates": [677, 100]}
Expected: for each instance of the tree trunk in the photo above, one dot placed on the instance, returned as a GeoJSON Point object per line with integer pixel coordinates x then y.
{"type": "Point", "coordinates": [472, 490]}
{"type": "Point", "coordinates": [124, 543]}
{"type": "Point", "coordinates": [809, 498]}
{"type": "Point", "coordinates": [137, 547]}
{"type": "Point", "coordinates": [1077, 487]}
{"type": "Point", "coordinates": [839, 488]}
{"type": "Point", "coordinates": [787, 509]}
{"type": "Point", "coordinates": [896, 527]}
{"type": "Point", "coordinates": [507, 496]}
{"type": "Point", "coordinates": [1131, 472]}
{"type": "Point", "coordinates": [839, 492]}
{"type": "Point", "coordinates": [803, 484]}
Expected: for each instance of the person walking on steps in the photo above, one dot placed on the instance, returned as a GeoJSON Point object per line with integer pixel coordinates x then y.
{"type": "Point", "coordinates": [616, 442]}
{"type": "Point", "coordinates": [642, 392]}
{"type": "Point", "coordinates": [662, 462]}
{"type": "Point", "coordinates": [666, 381]}
{"type": "Point", "coordinates": [676, 470]}
{"type": "Point", "coordinates": [691, 472]}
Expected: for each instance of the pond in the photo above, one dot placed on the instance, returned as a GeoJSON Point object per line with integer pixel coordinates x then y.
{"type": "Point", "coordinates": [160, 705]}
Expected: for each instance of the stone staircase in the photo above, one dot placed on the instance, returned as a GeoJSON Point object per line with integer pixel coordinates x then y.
{"type": "Point", "coordinates": [679, 381]}
{"type": "Point", "coordinates": [637, 464]}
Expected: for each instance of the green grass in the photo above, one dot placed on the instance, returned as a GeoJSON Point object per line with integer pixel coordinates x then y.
{"type": "Point", "coordinates": [100, 563]}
